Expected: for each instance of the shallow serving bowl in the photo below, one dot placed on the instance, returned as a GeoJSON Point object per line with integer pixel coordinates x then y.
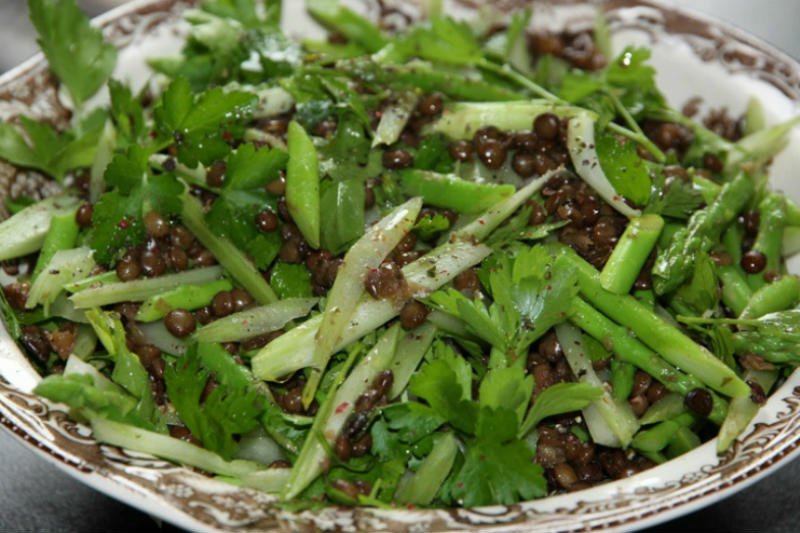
{"type": "Point", "coordinates": [694, 56]}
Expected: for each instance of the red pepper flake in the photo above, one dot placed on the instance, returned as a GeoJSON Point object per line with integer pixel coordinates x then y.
{"type": "Point", "coordinates": [342, 406]}
{"type": "Point", "coordinates": [481, 221]}
{"type": "Point", "coordinates": [227, 135]}
{"type": "Point", "coordinates": [153, 134]}
{"type": "Point", "coordinates": [123, 224]}
{"type": "Point", "coordinates": [616, 198]}
{"type": "Point", "coordinates": [411, 506]}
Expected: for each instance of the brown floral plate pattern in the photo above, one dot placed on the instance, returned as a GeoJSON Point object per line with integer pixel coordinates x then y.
{"type": "Point", "coordinates": [694, 56]}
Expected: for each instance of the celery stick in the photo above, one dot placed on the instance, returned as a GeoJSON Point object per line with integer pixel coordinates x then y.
{"type": "Point", "coordinates": [25, 232]}
{"type": "Point", "coordinates": [461, 120]}
{"type": "Point", "coordinates": [256, 321]}
{"type": "Point", "coordinates": [337, 407]}
{"type": "Point", "coordinates": [367, 253]}
{"type": "Point", "coordinates": [170, 448]}
{"type": "Point", "coordinates": [184, 297]}
{"type": "Point", "coordinates": [422, 486]}
{"type": "Point", "coordinates": [610, 422]}
{"type": "Point", "coordinates": [410, 351]}
{"type": "Point", "coordinates": [64, 267]}
{"type": "Point", "coordinates": [156, 333]}
{"type": "Point", "coordinates": [61, 235]}
{"type": "Point", "coordinates": [95, 281]}
{"type": "Point", "coordinates": [580, 143]}
{"type": "Point", "coordinates": [141, 289]}
{"type": "Point", "coordinates": [271, 480]}
{"type": "Point", "coordinates": [295, 349]}
{"type": "Point", "coordinates": [229, 256]}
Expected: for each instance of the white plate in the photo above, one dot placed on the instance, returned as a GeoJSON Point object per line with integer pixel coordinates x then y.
{"type": "Point", "coordinates": [694, 56]}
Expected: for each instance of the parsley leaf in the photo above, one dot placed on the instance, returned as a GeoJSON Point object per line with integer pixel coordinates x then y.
{"type": "Point", "coordinates": [673, 198]}
{"type": "Point", "coordinates": [530, 293]}
{"type": "Point", "coordinates": [127, 114]}
{"type": "Point", "coordinates": [230, 409]}
{"type": "Point", "coordinates": [701, 292]}
{"type": "Point", "coordinates": [290, 280]}
{"type": "Point", "coordinates": [49, 151]}
{"type": "Point", "coordinates": [342, 213]}
{"type": "Point", "coordinates": [246, 12]}
{"type": "Point", "coordinates": [201, 125]}
{"type": "Point", "coordinates": [558, 399]}
{"type": "Point", "coordinates": [495, 472]}
{"type": "Point", "coordinates": [624, 168]}
{"type": "Point", "coordinates": [75, 50]}
{"type": "Point", "coordinates": [242, 197]}
{"type": "Point", "coordinates": [446, 384]}
{"type": "Point", "coordinates": [117, 217]}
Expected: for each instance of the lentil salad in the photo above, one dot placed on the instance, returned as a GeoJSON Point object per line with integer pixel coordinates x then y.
{"type": "Point", "coordinates": [355, 422]}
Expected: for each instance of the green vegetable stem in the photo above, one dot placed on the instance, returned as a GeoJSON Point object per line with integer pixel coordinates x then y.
{"type": "Point", "coordinates": [667, 340]}
{"type": "Point", "coordinates": [769, 240]}
{"type": "Point", "coordinates": [674, 264]}
{"type": "Point", "coordinates": [302, 183]}
{"type": "Point", "coordinates": [62, 235]}
{"type": "Point", "coordinates": [630, 253]}
{"type": "Point", "coordinates": [451, 192]}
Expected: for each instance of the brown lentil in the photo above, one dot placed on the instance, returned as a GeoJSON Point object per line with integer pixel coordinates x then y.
{"type": "Point", "coordinates": [492, 153]}
{"type": "Point", "coordinates": [128, 268]}
{"type": "Point", "coordinates": [413, 314]}
{"type": "Point", "coordinates": [546, 126]}
{"type": "Point", "coordinates": [222, 304]}
{"type": "Point", "coordinates": [277, 187]}
{"type": "Point", "coordinates": [215, 176]}
{"type": "Point", "coordinates": [83, 216]}
{"type": "Point", "coordinates": [267, 221]}
{"type": "Point", "coordinates": [430, 105]}
{"type": "Point", "coordinates": [753, 261]}
{"type": "Point", "coordinates": [180, 322]}
{"type": "Point", "coordinates": [386, 281]}
{"type": "Point", "coordinates": [461, 150]}
{"type": "Point", "coordinates": [397, 159]}
{"type": "Point", "coordinates": [699, 401]}
{"type": "Point", "coordinates": [153, 264]}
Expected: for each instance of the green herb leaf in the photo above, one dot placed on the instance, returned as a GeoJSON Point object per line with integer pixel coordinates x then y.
{"type": "Point", "coordinates": [442, 384]}
{"type": "Point", "coordinates": [229, 410]}
{"type": "Point", "coordinates": [498, 473]}
{"type": "Point", "coordinates": [48, 151]}
{"type": "Point", "coordinates": [624, 168]}
{"type": "Point", "coordinates": [291, 280]}
{"type": "Point", "coordinates": [201, 125]}
{"type": "Point", "coordinates": [75, 50]}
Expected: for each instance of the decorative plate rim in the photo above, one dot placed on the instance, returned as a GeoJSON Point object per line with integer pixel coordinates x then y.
{"type": "Point", "coordinates": [108, 473]}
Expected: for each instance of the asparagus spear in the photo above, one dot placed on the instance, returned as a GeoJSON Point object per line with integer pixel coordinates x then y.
{"type": "Point", "coordinates": [769, 240]}
{"type": "Point", "coordinates": [672, 344]}
{"type": "Point", "coordinates": [630, 253]}
{"type": "Point", "coordinates": [630, 350]}
{"type": "Point", "coordinates": [777, 296]}
{"type": "Point", "coordinates": [659, 436]}
{"type": "Point", "coordinates": [735, 290]}
{"type": "Point", "coordinates": [674, 264]}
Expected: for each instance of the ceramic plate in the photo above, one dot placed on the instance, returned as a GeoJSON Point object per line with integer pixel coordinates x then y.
{"type": "Point", "coordinates": [695, 56]}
